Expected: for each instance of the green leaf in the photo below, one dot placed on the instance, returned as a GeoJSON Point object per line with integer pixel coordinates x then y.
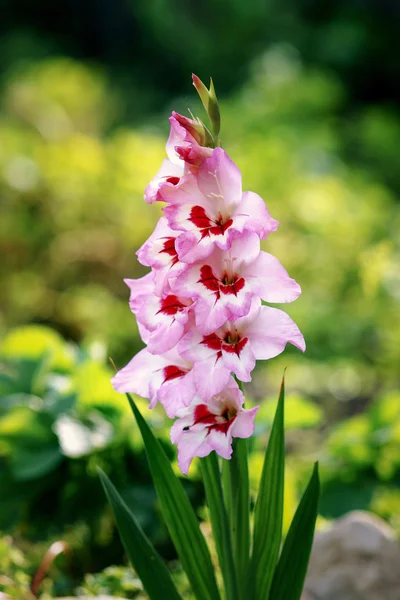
{"type": "Point", "coordinates": [28, 442]}
{"type": "Point", "coordinates": [268, 514]}
{"type": "Point", "coordinates": [179, 516]}
{"type": "Point", "coordinates": [219, 521]}
{"type": "Point", "coordinates": [149, 566]}
{"type": "Point", "coordinates": [240, 512]}
{"type": "Point", "coordinates": [31, 463]}
{"type": "Point", "coordinates": [291, 569]}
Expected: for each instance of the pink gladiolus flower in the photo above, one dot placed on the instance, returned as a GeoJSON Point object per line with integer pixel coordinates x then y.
{"type": "Point", "coordinates": [159, 253]}
{"type": "Point", "coordinates": [227, 282]}
{"type": "Point", "coordinates": [164, 318]}
{"type": "Point", "coordinates": [184, 150]}
{"type": "Point", "coordinates": [167, 378]}
{"type": "Point", "coordinates": [199, 311]}
{"type": "Point", "coordinates": [204, 427]}
{"type": "Point", "coordinates": [212, 211]}
{"type": "Point", "coordinates": [235, 347]}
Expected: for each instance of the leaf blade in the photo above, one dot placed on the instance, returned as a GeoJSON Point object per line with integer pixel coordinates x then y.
{"type": "Point", "coordinates": [240, 512]}
{"type": "Point", "coordinates": [147, 563]}
{"type": "Point", "coordinates": [297, 547]}
{"type": "Point", "coordinates": [179, 516]}
{"type": "Point", "coordinates": [219, 521]}
{"type": "Point", "coordinates": [268, 514]}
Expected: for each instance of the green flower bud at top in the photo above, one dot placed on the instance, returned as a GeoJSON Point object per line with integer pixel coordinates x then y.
{"type": "Point", "coordinates": [210, 103]}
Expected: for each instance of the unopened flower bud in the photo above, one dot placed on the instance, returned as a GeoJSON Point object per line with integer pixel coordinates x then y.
{"type": "Point", "coordinates": [210, 102]}
{"type": "Point", "coordinates": [196, 128]}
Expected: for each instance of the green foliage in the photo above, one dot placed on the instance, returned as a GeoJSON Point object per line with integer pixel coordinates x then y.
{"type": "Point", "coordinates": [59, 419]}
{"type": "Point", "coordinates": [14, 579]}
{"type": "Point", "coordinates": [268, 513]}
{"type": "Point", "coordinates": [151, 569]}
{"type": "Point", "coordinates": [71, 183]}
{"type": "Point", "coordinates": [179, 516]}
{"type": "Point", "coordinates": [291, 569]}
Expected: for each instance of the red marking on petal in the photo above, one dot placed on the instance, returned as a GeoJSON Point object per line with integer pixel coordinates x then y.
{"type": "Point", "coordinates": [198, 217]}
{"type": "Point", "coordinates": [217, 285]}
{"type": "Point", "coordinates": [220, 228]}
{"type": "Point", "coordinates": [222, 427]}
{"type": "Point", "coordinates": [170, 305]}
{"type": "Point", "coordinates": [173, 180]}
{"type": "Point", "coordinates": [234, 348]}
{"type": "Point", "coordinates": [169, 248]}
{"type": "Point", "coordinates": [208, 279]}
{"type": "Point", "coordinates": [213, 422]}
{"type": "Point", "coordinates": [207, 226]}
{"type": "Point", "coordinates": [234, 287]}
{"type": "Point", "coordinates": [172, 372]}
{"type": "Point", "coordinates": [212, 341]}
{"type": "Point", "coordinates": [203, 415]}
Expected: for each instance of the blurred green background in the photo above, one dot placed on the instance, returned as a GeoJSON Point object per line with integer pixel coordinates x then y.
{"type": "Point", "coordinates": [309, 96]}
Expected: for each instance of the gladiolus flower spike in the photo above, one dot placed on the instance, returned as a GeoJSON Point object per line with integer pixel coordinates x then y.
{"type": "Point", "coordinates": [202, 316]}
{"type": "Point", "coordinates": [199, 309]}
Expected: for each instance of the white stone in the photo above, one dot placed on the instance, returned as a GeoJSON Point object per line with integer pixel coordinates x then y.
{"type": "Point", "coordinates": [357, 558]}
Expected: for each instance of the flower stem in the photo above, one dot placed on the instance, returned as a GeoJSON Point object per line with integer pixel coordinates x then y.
{"type": "Point", "coordinates": [219, 520]}
{"type": "Point", "coordinates": [240, 512]}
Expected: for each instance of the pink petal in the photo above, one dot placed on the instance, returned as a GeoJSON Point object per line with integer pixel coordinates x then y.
{"type": "Point", "coordinates": [271, 331]}
{"type": "Point", "coordinates": [271, 281]}
{"type": "Point", "coordinates": [220, 179]}
{"type": "Point", "coordinates": [169, 174]}
{"type": "Point", "coordinates": [252, 215]}
{"type": "Point", "coordinates": [244, 425]}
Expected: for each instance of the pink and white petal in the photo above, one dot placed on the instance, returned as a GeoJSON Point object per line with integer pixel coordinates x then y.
{"type": "Point", "coordinates": [192, 248]}
{"type": "Point", "coordinates": [211, 376]}
{"type": "Point", "coordinates": [139, 288]}
{"type": "Point", "coordinates": [186, 193]}
{"type": "Point", "coordinates": [176, 394]}
{"type": "Point", "coordinates": [271, 331]}
{"type": "Point", "coordinates": [143, 372]}
{"type": "Point", "coordinates": [239, 305]}
{"type": "Point", "coordinates": [169, 174]}
{"type": "Point", "coordinates": [221, 442]}
{"type": "Point", "coordinates": [210, 314]}
{"type": "Point", "coordinates": [165, 337]}
{"type": "Point", "coordinates": [187, 284]}
{"type": "Point", "coordinates": [193, 154]}
{"type": "Point", "coordinates": [240, 364]}
{"type": "Point", "coordinates": [244, 250]}
{"type": "Point", "coordinates": [220, 180]}
{"type": "Point", "coordinates": [143, 332]}
{"type": "Point", "coordinates": [252, 215]}
{"type": "Point", "coordinates": [192, 348]}
{"type": "Point", "coordinates": [159, 250]}
{"type": "Point", "coordinates": [271, 281]}
{"type": "Point", "coordinates": [177, 137]}
{"type": "Point", "coordinates": [192, 444]}
{"type": "Point", "coordinates": [243, 426]}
